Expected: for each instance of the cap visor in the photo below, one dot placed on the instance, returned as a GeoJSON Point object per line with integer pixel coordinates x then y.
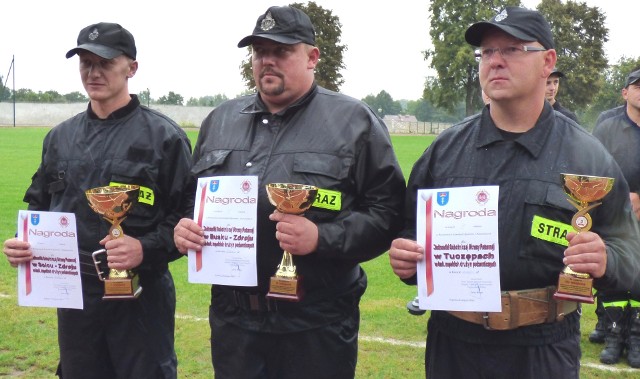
{"type": "Point", "coordinates": [474, 34]}
{"type": "Point", "coordinates": [632, 81]}
{"type": "Point", "coordinates": [249, 40]}
{"type": "Point", "coordinates": [100, 50]}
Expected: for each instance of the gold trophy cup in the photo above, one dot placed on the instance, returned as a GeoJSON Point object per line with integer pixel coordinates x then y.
{"type": "Point", "coordinates": [113, 203]}
{"type": "Point", "coordinates": [293, 199]}
{"type": "Point", "coordinates": [584, 193]}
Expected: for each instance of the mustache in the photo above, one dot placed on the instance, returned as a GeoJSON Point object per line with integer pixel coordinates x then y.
{"type": "Point", "coordinates": [270, 72]}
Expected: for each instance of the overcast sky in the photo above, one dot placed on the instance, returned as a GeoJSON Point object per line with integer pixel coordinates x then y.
{"type": "Point", "coordinates": [189, 46]}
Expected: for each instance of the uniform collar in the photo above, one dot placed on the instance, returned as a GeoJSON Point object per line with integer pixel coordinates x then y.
{"type": "Point", "coordinates": [118, 113]}
{"type": "Point", "coordinates": [258, 105]}
{"type": "Point", "coordinates": [532, 140]}
{"type": "Point", "coordinates": [631, 123]}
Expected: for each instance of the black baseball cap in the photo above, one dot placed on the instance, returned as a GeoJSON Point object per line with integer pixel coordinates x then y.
{"type": "Point", "coordinates": [557, 73]}
{"type": "Point", "coordinates": [286, 25]}
{"type": "Point", "coordinates": [632, 78]}
{"type": "Point", "coordinates": [521, 23]}
{"type": "Point", "coordinates": [105, 39]}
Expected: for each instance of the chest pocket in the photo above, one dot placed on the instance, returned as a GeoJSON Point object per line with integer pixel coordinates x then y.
{"type": "Point", "coordinates": [330, 166]}
{"type": "Point", "coordinates": [125, 171]}
{"type": "Point", "coordinates": [212, 163]}
{"type": "Point", "coordinates": [546, 221]}
{"type": "Point", "coordinates": [330, 173]}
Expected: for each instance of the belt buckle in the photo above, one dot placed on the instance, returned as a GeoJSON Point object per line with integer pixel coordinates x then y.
{"type": "Point", "coordinates": [254, 302]}
{"type": "Point", "coordinates": [485, 321]}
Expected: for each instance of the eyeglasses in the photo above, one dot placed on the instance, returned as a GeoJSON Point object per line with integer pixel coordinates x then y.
{"type": "Point", "coordinates": [508, 52]}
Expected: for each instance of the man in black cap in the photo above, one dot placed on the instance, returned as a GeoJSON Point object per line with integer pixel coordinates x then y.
{"type": "Point", "coordinates": [294, 131]}
{"type": "Point", "coordinates": [553, 84]}
{"type": "Point", "coordinates": [521, 145]}
{"type": "Point", "coordinates": [116, 141]}
{"type": "Point", "coordinates": [619, 131]}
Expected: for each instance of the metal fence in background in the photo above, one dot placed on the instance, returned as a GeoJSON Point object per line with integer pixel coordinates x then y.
{"type": "Point", "coordinates": [416, 127]}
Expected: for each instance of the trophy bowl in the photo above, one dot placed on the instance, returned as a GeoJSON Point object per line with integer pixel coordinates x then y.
{"type": "Point", "coordinates": [113, 203]}
{"type": "Point", "coordinates": [586, 189]}
{"type": "Point", "coordinates": [292, 199]}
{"type": "Point", "coordinates": [584, 192]}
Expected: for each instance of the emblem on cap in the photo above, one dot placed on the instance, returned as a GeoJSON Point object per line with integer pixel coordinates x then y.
{"type": "Point", "coordinates": [268, 22]}
{"type": "Point", "coordinates": [501, 16]}
{"type": "Point", "coordinates": [94, 34]}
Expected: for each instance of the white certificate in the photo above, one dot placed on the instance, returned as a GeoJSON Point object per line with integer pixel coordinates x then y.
{"type": "Point", "coordinates": [458, 228]}
{"type": "Point", "coordinates": [52, 278]}
{"type": "Point", "coordinates": [226, 207]}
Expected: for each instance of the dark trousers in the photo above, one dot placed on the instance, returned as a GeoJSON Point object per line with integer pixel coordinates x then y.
{"type": "Point", "coordinates": [446, 358]}
{"type": "Point", "coordinates": [120, 338]}
{"type": "Point", "coordinates": [325, 352]}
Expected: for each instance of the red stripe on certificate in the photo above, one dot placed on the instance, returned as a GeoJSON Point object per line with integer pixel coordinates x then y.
{"type": "Point", "coordinates": [200, 215]}
{"type": "Point", "coordinates": [25, 238]}
{"type": "Point", "coordinates": [428, 247]}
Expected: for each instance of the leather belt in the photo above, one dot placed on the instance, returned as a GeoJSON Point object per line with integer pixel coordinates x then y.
{"type": "Point", "coordinates": [255, 302]}
{"type": "Point", "coordinates": [259, 302]}
{"type": "Point", "coordinates": [521, 308]}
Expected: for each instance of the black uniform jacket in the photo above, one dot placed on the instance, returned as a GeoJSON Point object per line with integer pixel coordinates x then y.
{"type": "Point", "coordinates": [559, 108]}
{"type": "Point", "coordinates": [621, 136]}
{"type": "Point", "coordinates": [135, 145]}
{"type": "Point", "coordinates": [528, 172]}
{"type": "Point", "coordinates": [327, 140]}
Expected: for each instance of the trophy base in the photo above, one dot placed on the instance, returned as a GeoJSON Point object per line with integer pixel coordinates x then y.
{"type": "Point", "coordinates": [572, 288]}
{"type": "Point", "coordinates": [122, 289]}
{"type": "Point", "coordinates": [288, 289]}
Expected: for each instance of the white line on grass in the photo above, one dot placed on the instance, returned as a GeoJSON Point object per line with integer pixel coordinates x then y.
{"type": "Point", "coordinates": [598, 366]}
{"type": "Point", "coordinates": [421, 345]}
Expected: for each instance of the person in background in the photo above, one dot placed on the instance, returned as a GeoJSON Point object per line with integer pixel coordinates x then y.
{"type": "Point", "coordinates": [116, 140]}
{"type": "Point", "coordinates": [619, 131]}
{"type": "Point", "coordinates": [553, 84]}
{"type": "Point", "coordinates": [294, 131]}
{"type": "Point", "coordinates": [520, 144]}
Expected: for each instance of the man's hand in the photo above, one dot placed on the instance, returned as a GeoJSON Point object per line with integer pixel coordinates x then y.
{"type": "Point", "coordinates": [586, 253]}
{"type": "Point", "coordinates": [17, 251]}
{"type": "Point", "coordinates": [404, 255]}
{"type": "Point", "coordinates": [124, 253]}
{"type": "Point", "coordinates": [296, 234]}
{"type": "Point", "coordinates": [188, 235]}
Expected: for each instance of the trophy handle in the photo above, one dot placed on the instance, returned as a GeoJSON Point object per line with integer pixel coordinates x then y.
{"type": "Point", "coordinates": [96, 254]}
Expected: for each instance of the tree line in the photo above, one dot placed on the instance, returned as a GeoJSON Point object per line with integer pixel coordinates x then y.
{"type": "Point", "coordinates": [25, 95]}
{"type": "Point", "coordinates": [590, 86]}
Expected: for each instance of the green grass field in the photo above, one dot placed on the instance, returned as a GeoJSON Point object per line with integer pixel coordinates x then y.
{"type": "Point", "coordinates": [391, 340]}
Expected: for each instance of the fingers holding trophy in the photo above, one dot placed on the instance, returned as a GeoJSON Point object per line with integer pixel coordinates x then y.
{"type": "Point", "coordinates": [292, 199]}
{"type": "Point", "coordinates": [585, 193]}
{"type": "Point", "coordinates": [113, 203]}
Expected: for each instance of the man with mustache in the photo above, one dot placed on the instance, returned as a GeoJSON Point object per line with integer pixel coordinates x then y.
{"type": "Point", "coordinates": [294, 131]}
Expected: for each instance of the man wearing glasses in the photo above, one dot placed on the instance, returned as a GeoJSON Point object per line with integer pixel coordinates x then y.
{"type": "Point", "coordinates": [522, 145]}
